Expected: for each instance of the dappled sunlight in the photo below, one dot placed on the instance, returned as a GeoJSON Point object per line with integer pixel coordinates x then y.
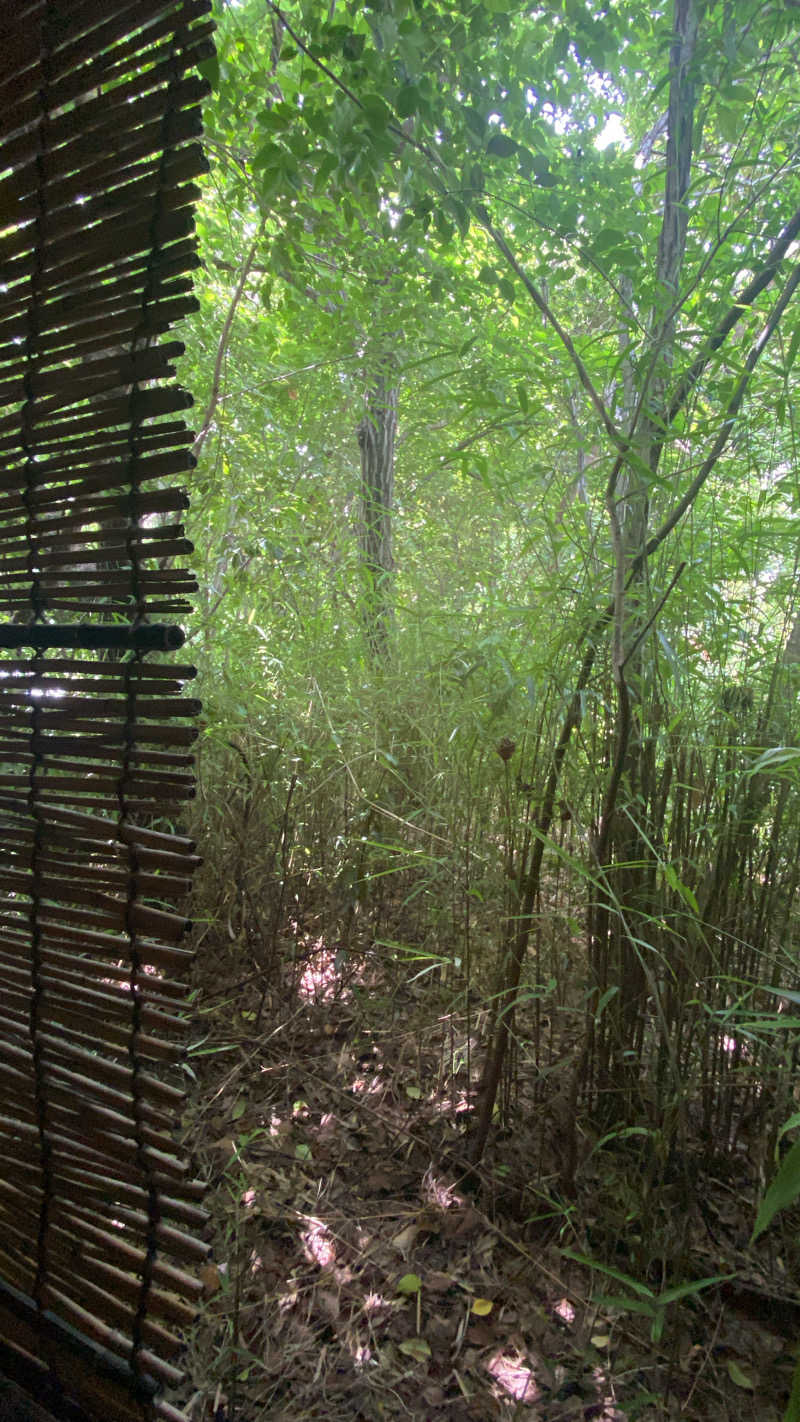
{"type": "Point", "coordinates": [514, 1373]}
{"type": "Point", "coordinates": [564, 1311]}
{"type": "Point", "coordinates": [438, 1192]}
{"type": "Point", "coordinates": [321, 978]}
{"type": "Point", "coordinates": [368, 1085]}
{"type": "Point", "coordinates": [318, 1246]}
{"type": "Point", "coordinates": [375, 1304]}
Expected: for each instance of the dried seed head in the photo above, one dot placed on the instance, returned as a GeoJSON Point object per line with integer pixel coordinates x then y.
{"type": "Point", "coordinates": [505, 748]}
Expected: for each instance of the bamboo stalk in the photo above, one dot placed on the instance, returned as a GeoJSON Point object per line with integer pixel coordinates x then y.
{"type": "Point", "coordinates": [93, 43]}
{"type": "Point", "coordinates": [112, 1339]}
{"type": "Point", "coordinates": [62, 267]}
{"type": "Point", "coordinates": [159, 990]}
{"type": "Point", "coordinates": [54, 554]}
{"type": "Point", "coordinates": [115, 1072]}
{"type": "Point", "coordinates": [112, 1095]}
{"type": "Point", "coordinates": [73, 666]}
{"type": "Point", "coordinates": [116, 1003]}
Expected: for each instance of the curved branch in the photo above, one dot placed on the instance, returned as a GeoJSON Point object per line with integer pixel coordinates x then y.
{"type": "Point", "coordinates": [224, 340]}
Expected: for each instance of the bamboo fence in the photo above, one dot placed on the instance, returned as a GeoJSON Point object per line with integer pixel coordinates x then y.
{"type": "Point", "coordinates": [99, 1217]}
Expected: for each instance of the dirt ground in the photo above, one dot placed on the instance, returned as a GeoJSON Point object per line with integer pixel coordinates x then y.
{"type": "Point", "coordinates": [358, 1276]}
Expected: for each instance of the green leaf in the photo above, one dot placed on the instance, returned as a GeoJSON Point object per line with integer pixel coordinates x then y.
{"type": "Point", "coordinates": [416, 1348]}
{"type": "Point", "coordinates": [409, 1284]}
{"type": "Point", "coordinates": [783, 1191]}
{"type": "Point", "coordinates": [794, 345]}
{"type": "Point", "coordinates": [407, 101]}
{"type": "Point", "coordinates": [522, 397]}
{"type": "Point", "coordinates": [696, 1286]}
{"type": "Point", "coordinates": [239, 1109]}
{"type": "Point", "coordinates": [353, 46]}
{"type": "Point", "coordinates": [792, 1413]}
{"type": "Point", "coordinates": [302, 1151]}
{"type": "Point", "coordinates": [506, 289]}
{"type": "Point", "coordinates": [377, 111]}
{"type": "Point", "coordinates": [789, 1125]}
{"type": "Point", "coordinates": [268, 155]}
{"type": "Point", "coordinates": [737, 1377]}
{"type": "Point", "coordinates": [625, 1304]}
{"type": "Point", "coordinates": [209, 70]}
{"type": "Point", "coordinates": [475, 123]}
{"type": "Point", "coordinates": [621, 1278]}
{"type": "Point", "coordinates": [501, 146]}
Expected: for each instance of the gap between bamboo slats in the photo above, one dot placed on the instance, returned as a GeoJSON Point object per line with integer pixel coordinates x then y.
{"type": "Point", "coordinates": [111, 69]}
{"type": "Point", "coordinates": [28, 744]}
{"type": "Point", "coordinates": [117, 1003]}
{"type": "Point", "coordinates": [115, 1243]}
{"type": "Point", "coordinates": [105, 830]}
{"type": "Point", "coordinates": [57, 1001]}
{"type": "Point", "coordinates": [116, 537]}
{"type": "Point", "coordinates": [105, 293]}
{"type": "Point", "coordinates": [166, 275]}
{"type": "Point", "coordinates": [107, 183]}
{"type": "Point", "coordinates": [65, 516]}
{"type": "Point", "coordinates": [80, 471]}
{"type": "Point", "coordinates": [88, 1323]}
{"type": "Point", "coordinates": [17, 1025]}
{"type": "Point", "coordinates": [148, 856]}
{"type": "Point", "coordinates": [132, 916]}
{"type": "Point", "coordinates": [64, 1242]}
{"type": "Point", "coordinates": [151, 955]}
{"type": "Point", "coordinates": [96, 292]}
{"type": "Point", "coordinates": [105, 1197]}
{"type": "Point", "coordinates": [54, 554]}
{"type": "Point", "coordinates": [158, 990]}
{"type": "Point", "coordinates": [99, 1135]}
{"type": "Point", "coordinates": [98, 334]}
{"type": "Point", "coordinates": [70, 142]}
{"type": "Point", "coordinates": [89, 221]}
{"type": "Point", "coordinates": [63, 991]}
{"type": "Point", "coordinates": [70, 1155]}
{"type": "Point", "coordinates": [19, 1060]}
{"type": "Point", "coordinates": [70, 458]}
{"type": "Point", "coordinates": [61, 268]}
{"type": "Point", "coordinates": [91, 378]}
{"type": "Point", "coordinates": [96, 1111]}
{"type": "Point", "coordinates": [113, 878]}
{"type": "Point", "coordinates": [91, 783]}
{"type": "Point", "coordinates": [119, 1073]}
{"type": "Point", "coordinates": [78, 1027]}
{"type": "Point", "coordinates": [164, 1305]}
{"type": "Point", "coordinates": [87, 59]}
{"type": "Point", "coordinates": [70, 667]}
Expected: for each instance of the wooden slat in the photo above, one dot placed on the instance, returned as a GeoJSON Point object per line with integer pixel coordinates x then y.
{"type": "Point", "coordinates": [99, 120]}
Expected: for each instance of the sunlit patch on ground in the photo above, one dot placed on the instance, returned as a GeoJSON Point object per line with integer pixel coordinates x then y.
{"type": "Point", "coordinates": [320, 980]}
{"type": "Point", "coordinates": [318, 1246]}
{"type": "Point", "coordinates": [515, 1375]}
{"type": "Point", "coordinates": [353, 1263]}
{"type": "Point", "coordinates": [441, 1193]}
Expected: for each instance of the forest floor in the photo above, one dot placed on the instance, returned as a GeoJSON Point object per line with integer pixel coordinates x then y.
{"type": "Point", "coordinates": [355, 1276]}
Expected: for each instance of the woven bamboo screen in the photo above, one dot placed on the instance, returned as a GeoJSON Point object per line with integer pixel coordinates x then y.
{"type": "Point", "coordinates": [99, 122]}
